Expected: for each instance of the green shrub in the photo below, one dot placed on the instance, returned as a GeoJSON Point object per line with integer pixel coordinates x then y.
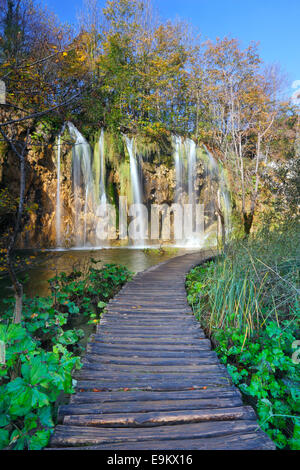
{"type": "Point", "coordinates": [42, 352]}
{"type": "Point", "coordinates": [263, 369]}
{"type": "Point", "coordinates": [31, 381]}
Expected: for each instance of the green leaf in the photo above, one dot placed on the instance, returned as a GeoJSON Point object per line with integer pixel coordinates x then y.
{"type": "Point", "coordinates": [21, 404]}
{"type": "Point", "coordinates": [4, 438]}
{"type": "Point", "coordinates": [102, 304]}
{"type": "Point", "coordinates": [45, 416]}
{"type": "Point", "coordinates": [4, 420]}
{"type": "Point", "coordinates": [17, 440]}
{"type": "Point", "coordinates": [39, 440]}
{"type": "Point", "coordinates": [39, 399]}
{"type": "Point", "coordinates": [34, 372]}
{"type": "Point", "coordinates": [30, 422]}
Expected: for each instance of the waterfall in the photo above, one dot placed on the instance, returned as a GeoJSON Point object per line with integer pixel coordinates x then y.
{"type": "Point", "coordinates": [185, 154]}
{"type": "Point", "coordinates": [134, 174]}
{"type": "Point", "coordinates": [58, 202]}
{"type": "Point", "coordinates": [89, 192]}
{"type": "Point", "coordinates": [177, 142]}
{"type": "Point", "coordinates": [136, 185]}
{"type": "Point", "coordinates": [82, 176]}
{"type": "Point", "coordinates": [185, 157]}
{"type": "Point", "coordinates": [192, 160]}
{"type": "Point", "coordinates": [191, 156]}
{"type": "Point", "coordinates": [212, 164]}
{"type": "Point", "coordinates": [103, 197]}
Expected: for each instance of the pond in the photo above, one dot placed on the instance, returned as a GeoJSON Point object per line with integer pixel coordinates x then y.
{"type": "Point", "coordinates": [48, 263]}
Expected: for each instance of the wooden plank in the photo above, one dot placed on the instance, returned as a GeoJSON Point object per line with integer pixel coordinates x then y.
{"type": "Point", "coordinates": [207, 357]}
{"type": "Point", "coordinates": [156, 335]}
{"type": "Point", "coordinates": [133, 285]}
{"type": "Point", "coordinates": [155, 385]}
{"type": "Point", "coordinates": [237, 441]}
{"type": "Point", "coordinates": [156, 318]}
{"type": "Point", "coordinates": [132, 300]}
{"type": "Point", "coordinates": [139, 397]}
{"type": "Point", "coordinates": [131, 374]}
{"type": "Point", "coordinates": [127, 320]}
{"type": "Point", "coordinates": [75, 435]}
{"type": "Point", "coordinates": [180, 320]}
{"type": "Point", "coordinates": [130, 345]}
{"type": "Point", "coordinates": [152, 369]}
{"type": "Point", "coordinates": [114, 328]}
{"type": "Point", "coordinates": [192, 338]}
{"type": "Point", "coordinates": [164, 312]}
{"type": "Point", "coordinates": [164, 418]}
{"type": "Point", "coordinates": [134, 320]}
{"type": "Point", "coordinates": [150, 406]}
{"type": "Point", "coordinates": [95, 348]}
{"type": "Point", "coordinates": [163, 341]}
{"type": "Point", "coordinates": [142, 299]}
{"type": "Point", "coordinates": [151, 288]}
{"type": "Point", "coordinates": [109, 328]}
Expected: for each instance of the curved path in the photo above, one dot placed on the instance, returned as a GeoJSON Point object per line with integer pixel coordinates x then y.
{"type": "Point", "coordinates": [150, 380]}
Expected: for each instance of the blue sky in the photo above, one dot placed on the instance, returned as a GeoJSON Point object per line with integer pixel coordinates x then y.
{"type": "Point", "coordinates": [275, 24]}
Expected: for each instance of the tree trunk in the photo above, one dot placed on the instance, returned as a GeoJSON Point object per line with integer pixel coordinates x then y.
{"type": "Point", "coordinates": [222, 223]}
{"type": "Point", "coordinates": [17, 286]}
{"type": "Point", "coordinates": [248, 221]}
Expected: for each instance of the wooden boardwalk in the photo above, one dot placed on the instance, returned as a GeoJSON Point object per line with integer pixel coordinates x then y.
{"type": "Point", "coordinates": [150, 380]}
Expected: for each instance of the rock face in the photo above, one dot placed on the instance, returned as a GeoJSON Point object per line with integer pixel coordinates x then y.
{"type": "Point", "coordinates": [78, 207]}
{"type": "Point", "coordinates": [39, 194]}
{"type": "Point", "coordinates": [41, 189]}
{"type": "Point", "coordinates": [159, 183]}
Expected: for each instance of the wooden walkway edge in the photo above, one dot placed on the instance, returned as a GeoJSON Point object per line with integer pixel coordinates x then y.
{"type": "Point", "coordinates": [150, 379]}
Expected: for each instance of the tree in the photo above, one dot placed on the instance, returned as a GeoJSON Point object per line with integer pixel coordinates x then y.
{"type": "Point", "coordinates": [242, 106]}
{"type": "Point", "coordinates": [29, 69]}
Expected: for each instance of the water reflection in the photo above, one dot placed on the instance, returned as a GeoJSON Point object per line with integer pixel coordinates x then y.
{"type": "Point", "coordinates": [50, 263]}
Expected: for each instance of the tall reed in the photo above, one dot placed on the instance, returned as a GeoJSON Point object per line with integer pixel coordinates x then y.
{"type": "Point", "coordinates": [257, 281]}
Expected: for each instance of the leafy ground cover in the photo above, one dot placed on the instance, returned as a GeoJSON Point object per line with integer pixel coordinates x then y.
{"type": "Point", "coordinates": [42, 353]}
{"type": "Point", "coordinates": [248, 303]}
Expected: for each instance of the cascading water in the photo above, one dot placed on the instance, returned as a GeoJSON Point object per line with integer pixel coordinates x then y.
{"type": "Point", "coordinates": [177, 142]}
{"type": "Point", "coordinates": [136, 188]}
{"type": "Point", "coordinates": [82, 176]}
{"type": "Point", "coordinates": [134, 174]}
{"type": "Point", "coordinates": [103, 197]}
{"type": "Point", "coordinates": [191, 153]}
{"type": "Point", "coordinates": [190, 146]}
{"type": "Point", "coordinates": [188, 190]}
{"type": "Point", "coordinates": [58, 202]}
{"type": "Point", "coordinates": [89, 196]}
